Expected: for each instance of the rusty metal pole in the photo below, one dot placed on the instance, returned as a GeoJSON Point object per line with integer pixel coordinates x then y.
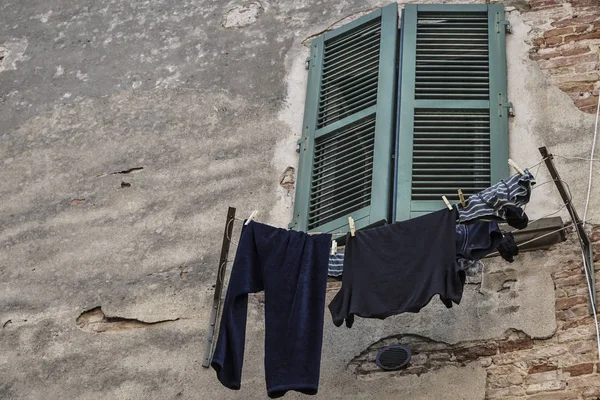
{"type": "Point", "coordinates": [584, 240]}
{"type": "Point", "coordinates": [210, 336]}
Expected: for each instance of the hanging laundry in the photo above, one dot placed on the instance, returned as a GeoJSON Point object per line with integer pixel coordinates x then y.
{"type": "Point", "coordinates": [491, 203]}
{"type": "Point", "coordinates": [508, 248]}
{"type": "Point", "coordinates": [477, 239]}
{"type": "Point", "coordinates": [474, 240]}
{"type": "Point", "coordinates": [516, 217]}
{"type": "Point", "coordinates": [398, 268]}
{"type": "Point", "coordinates": [336, 264]}
{"type": "Point", "coordinates": [291, 268]}
{"type": "Point", "coordinates": [471, 267]}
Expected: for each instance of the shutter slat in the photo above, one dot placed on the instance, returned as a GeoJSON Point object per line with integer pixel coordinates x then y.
{"type": "Point", "coordinates": [349, 78]}
{"type": "Point", "coordinates": [365, 42]}
{"type": "Point", "coordinates": [342, 41]}
{"type": "Point", "coordinates": [342, 90]}
{"type": "Point", "coordinates": [341, 188]}
{"type": "Point", "coordinates": [450, 137]}
{"type": "Point", "coordinates": [342, 172]}
{"type": "Point", "coordinates": [342, 160]}
{"type": "Point", "coordinates": [343, 65]}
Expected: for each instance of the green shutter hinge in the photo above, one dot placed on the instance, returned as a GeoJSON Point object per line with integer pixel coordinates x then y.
{"type": "Point", "coordinates": [307, 63]}
{"type": "Point", "coordinates": [506, 24]}
{"type": "Point", "coordinates": [509, 107]}
{"type": "Point", "coordinates": [299, 143]}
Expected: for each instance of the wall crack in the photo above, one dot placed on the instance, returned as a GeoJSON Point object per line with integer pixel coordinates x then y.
{"type": "Point", "coordinates": [95, 320]}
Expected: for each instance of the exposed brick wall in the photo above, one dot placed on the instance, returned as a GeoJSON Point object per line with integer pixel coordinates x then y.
{"type": "Point", "coordinates": [562, 367]}
{"type": "Point", "coordinates": [567, 46]}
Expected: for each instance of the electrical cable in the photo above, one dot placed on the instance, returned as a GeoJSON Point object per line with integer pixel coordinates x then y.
{"type": "Point", "coordinates": [587, 199]}
{"type": "Point", "coordinates": [577, 158]}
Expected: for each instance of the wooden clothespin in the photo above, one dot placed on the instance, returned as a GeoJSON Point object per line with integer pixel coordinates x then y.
{"type": "Point", "coordinates": [462, 198]}
{"type": "Point", "coordinates": [252, 215]}
{"type": "Point", "coordinates": [447, 203]}
{"type": "Point", "coordinates": [352, 227]}
{"type": "Point", "coordinates": [515, 166]}
{"type": "Point", "coordinates": [333, 247]}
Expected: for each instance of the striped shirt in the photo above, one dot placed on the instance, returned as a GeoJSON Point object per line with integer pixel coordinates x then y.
{"type": "Point", "coordinates": [336, 264]}
{"type": "Point", "coordinates": [489, 203]}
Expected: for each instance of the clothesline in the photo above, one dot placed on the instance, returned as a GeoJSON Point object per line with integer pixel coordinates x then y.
{"type": "Point", "coordinates": [495, 253]}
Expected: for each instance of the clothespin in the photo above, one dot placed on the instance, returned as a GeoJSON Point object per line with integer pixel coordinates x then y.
{"type": "Point", "coordinates": [252, 215]}
{"type": "Point", "coordinates": [447, 203]}
{"type": "Point", "coordinates": [515, 166]}
{"type": "Point", "coordinates": [333, 247]}
{"type": "Point", "coordinates": [352, 227]}
{"type": "Point", "coordinates": [462, 198]}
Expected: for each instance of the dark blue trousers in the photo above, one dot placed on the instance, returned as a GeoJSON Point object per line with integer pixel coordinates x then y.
{"type": "Point", "coordinates": [291, 268]}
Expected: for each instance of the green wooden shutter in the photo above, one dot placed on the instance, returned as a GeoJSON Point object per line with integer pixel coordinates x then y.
{"type": "Point", "coordinates": [453, 126]}
{"type": "Point", "coordinates": [346, 148]}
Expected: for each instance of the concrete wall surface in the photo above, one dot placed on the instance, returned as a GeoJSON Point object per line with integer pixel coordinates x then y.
{"type": "Point", "coordinates": [128, 128]}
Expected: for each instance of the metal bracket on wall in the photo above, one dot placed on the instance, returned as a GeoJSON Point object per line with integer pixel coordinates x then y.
{"type": "Point", "coordinates": [584, 240]}
{"type": "Point", "coordinates": [508, 106]}
{"type": "Point", "coordinates": [210, 336]}
{"type": "Point", "coordinates": [506, 24]}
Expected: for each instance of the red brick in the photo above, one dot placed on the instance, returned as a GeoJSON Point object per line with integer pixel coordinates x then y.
{"type": "Point", "coordinates": [567, 272]}
{"type": "Point", "coordinates": [572, 38]}
{"type": "Point", "coordinates": [583, 347]}
{"type": "Point", "coordinates": [595, 246]}
{"type": "Point", "coordinates": [542, 368]}
{"type": "Point", "coordinates": [543, 3]}
{"type": "Point", "coordinates": [570, 281]}
{"type": "Point", "coordinates": [514, 345]}
{"type": "Point", "coordinates": [575, 51]}
{"type": "Point", "coordinates": [555, 396]}
{"type": "Point", "coordinates": [538, 42]}
{"type": "Point", "coordinates": [591, 392]}
{"type": "Point", "coordinates": [560, 62]}
{"type": "Point", "coordinates": [588, 110]}
{"type": "Point", "coordinates": [579, 322]}
{"type": "Point", "coordinates": [586, 19]}
{"type": "Point", "coordinates": [590, 101]}
{"type": "Point", "coordinates": [595, 234]}
{"type": "Point", "coordinates": [584, 3]}
{"type": "Point", "coordinates": [568, 316]}
{"type": "Point", "coordinates": [568, 302]}
{"type": "Point", "coordinates": [558, 32]}
{"type": "Point", "coordinates": [554, 41]}
{"type": "Point", "coordinates": [580, 369]}
{"type": "Point", "coordinates": [475, 352]}
{"type": "Point", "coordinates": [581, 28]}
{"type": "Point", "coordinates": [576, 87]}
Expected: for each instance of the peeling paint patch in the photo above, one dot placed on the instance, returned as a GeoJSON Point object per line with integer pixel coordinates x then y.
{"type": "Point", "coordinates": [81, 76]}
{"type": "Point", "coordinates": [133, 170]}
{"type": "Point", "coordinates": [242, 15]}
{"type": "Point", "coordinates": [43, 17]}
{"type": "Point", "coordinates": [12, 52]}
{"type": "Point", "coordinates": [287, 181]}
{"type": "Point", "coordinates": [59, 71]}
{"type": "Point", "coordinates": [95, 320]}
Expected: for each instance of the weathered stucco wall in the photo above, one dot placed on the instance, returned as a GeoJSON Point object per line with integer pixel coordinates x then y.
{"type": "Point", "coordinates": [207, 97]}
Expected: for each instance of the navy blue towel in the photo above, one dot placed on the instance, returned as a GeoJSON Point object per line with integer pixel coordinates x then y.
{"type": "Point", "coordinates": [291, 268]}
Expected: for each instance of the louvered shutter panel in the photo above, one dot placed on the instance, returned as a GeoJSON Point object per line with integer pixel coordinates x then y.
{"type": "Point", "coordinates": [453, 120]}
{"type": "Point", "coordinates": [346, 148]}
